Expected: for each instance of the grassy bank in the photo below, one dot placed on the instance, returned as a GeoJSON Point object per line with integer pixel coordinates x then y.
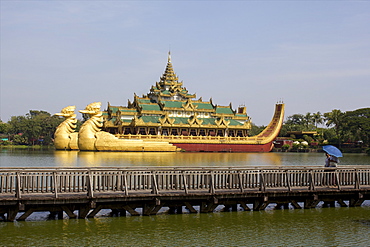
{"type": "Point", "coordinates": [34, 147]}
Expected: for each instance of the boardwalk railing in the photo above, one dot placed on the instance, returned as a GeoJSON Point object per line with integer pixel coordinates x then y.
{"type": "Point", "coordinates": [159, 180]}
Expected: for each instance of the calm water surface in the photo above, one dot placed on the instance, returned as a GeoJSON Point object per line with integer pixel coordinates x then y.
{"type": "Point", "coordinates": [290, 227]}
{"type": "Point", "coordinates": [29, 158]}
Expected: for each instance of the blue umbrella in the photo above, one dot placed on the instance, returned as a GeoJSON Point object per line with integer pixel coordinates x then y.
{"type": "Point", "coordinates": [332, 150]}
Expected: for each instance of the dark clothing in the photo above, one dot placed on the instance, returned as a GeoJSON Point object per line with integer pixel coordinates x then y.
{"type": "Point", "coordinates": [331, 161]}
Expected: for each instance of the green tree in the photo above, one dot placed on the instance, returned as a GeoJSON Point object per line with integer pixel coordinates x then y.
{"type": "Point", "coordinates": [20, 139]}
{"type": "Point", "coordinates": [308, 121]}
{"type": "Point", "coordinates": [357, 122]}
{"type": "Point", "coordinates": [295, 119]}
{"type": "Point", "coordinates": [255, 130]}
{"type": "Point", "coordinates": [329, 135]}
{"type": "Point", "coordinates": [341, 126]}
{"type": "Point", "coordinates": [35, 127]}
{"type": "Point", "coordinates": [307, 138]}
{"type": "Point", "coordinates": [317, 118]}
{"type": "Point", "coordinates": [294, 122]}
{"type": "Point", "coordinates": [17, 124]}
{"type": "Point", "coordinates": [335, 119]}
{"type": "Point", "coordinates": [4, 127]}
{"type": "Point", "coordinates": [299, 122]}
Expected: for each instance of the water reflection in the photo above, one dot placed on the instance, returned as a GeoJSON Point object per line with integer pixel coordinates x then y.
{"type": "Point", "coordinates": [91, 159]}
{"type": "Point", "coordinates": [12, 158]}
{"type": "Point", "coordinates": [66, 158]}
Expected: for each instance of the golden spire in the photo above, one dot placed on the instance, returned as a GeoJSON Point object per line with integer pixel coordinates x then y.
{"type": "Point", "coordinates": [169, 77]}
{"type": "Point", "coordinates": [169, 84]}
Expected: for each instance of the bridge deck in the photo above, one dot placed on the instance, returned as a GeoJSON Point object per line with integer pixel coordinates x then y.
{"type": "Point", "coordinates": [88, 190]}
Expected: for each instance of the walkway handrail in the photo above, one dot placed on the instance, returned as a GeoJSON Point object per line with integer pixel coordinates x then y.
{"type": "Point", "coordinates": [186, 180]}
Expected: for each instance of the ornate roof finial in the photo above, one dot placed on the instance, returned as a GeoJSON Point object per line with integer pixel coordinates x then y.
{"type": "Point", "coordinates": [169, 86]}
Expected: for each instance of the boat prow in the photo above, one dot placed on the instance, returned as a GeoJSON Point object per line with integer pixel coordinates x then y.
{"type": "Point", "coordinates": [269, 134]}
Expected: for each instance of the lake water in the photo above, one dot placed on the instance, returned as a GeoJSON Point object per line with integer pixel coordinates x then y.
{"type": "Point", "coordinates": [290, 227]}
{"type": "Point", "coordinates": [48, 158]}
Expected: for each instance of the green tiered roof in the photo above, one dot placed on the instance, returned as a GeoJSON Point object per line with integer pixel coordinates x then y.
{"type": "Point", "coordinates": [169, 84]}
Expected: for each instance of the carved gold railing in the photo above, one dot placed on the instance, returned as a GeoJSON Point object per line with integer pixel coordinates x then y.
{"type": "Point", "coordinates": [194, 139]}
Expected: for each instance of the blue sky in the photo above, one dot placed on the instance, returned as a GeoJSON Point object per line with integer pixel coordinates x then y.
{"type": "Point", "coordinates": [313, 55]}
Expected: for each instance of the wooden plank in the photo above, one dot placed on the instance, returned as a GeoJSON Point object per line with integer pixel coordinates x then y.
{"type": "Point", "coordinates": [261, 204]}
{"type": "Point", "coordinates": [295, 204]}
{"type": "Point", "coordinates": [155, 210]}
{"type": "Point", "coordinates": [148, 208]}
{"type": "Point", "coordinates": [203, 207]}
{"type": "Point", "coordinates": [83, 211]}
{"type": "Point", "coordinates": [18, 186]}
{"type": "Point", "coordinates": [94, 212]}
{"type": "Point", "coordinates": [309, 203]}
{"type": "Point", "coordinates": [287, 177]}
{"type": "Point", "coordinates": [357, 180]}
{"type": "Point", "coordinates": [245, 206]}
{"type": "Point", "coordinates": [211, 207]}
{"type": "Point", "coordinates": [241, 186]}
{"type": "Point", "coordinates": [342, 203]}
{"type": "Point", "coordinates": [190, 207]}
{"type": "Point", "coordinates": [130, 210]}
{"type": "Point", "coordinates": [12, 213]}
{"type": "Point", "coordinates": [212, 184]}
{"type": "Point", "coordinates": [69, 212]}
{"type": "Point", "coordinates": [125, 183]}
{"type": "Point", "coordinates": [355, 202]}
{"type": "Point", "coordinates": [337, 181]}
{"type": "Point", "coordinates": [26, 214]}
{"type": "Point", "coordinates": [258, 205]}
{"type": "Point", "coordinates": [55, 184]}
{"type": "Point", "coordinates": [185, 182]}
{"type": "Point", "coordinates": [154, 185]}
{"type": "Point", "coordinates": [90, 186]}
{"type": "Point", "coordinates": [262, 182]}
{"type": "Point", "coordinates": [311, 181]}
{"type": "Point", "coordinates": [118, 186]}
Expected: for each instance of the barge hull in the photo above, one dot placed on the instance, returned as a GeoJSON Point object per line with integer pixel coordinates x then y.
{"type": "Point", "coordinates": [231, 148]}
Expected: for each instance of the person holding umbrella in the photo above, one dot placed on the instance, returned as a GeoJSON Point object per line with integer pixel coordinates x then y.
{"type": "Point", "coordinates": [331, 161]}
{"type": "Point", "coordinates": [332, 154]}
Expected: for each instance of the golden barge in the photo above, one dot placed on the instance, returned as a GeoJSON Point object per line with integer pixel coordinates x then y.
{"type": "Point", "coordinates": [168, 118]}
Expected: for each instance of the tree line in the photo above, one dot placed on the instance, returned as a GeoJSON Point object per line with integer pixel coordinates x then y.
{"type": "Point", "coordinates": [35, 128]}
{"type": "Point", "coordinates": [335, 127]}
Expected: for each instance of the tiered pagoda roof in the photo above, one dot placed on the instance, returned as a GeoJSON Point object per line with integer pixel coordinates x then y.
{"type": "Point", "coordinates": [169, 86]}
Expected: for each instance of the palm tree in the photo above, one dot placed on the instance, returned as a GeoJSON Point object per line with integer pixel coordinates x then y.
{"type": "Point", "coordinates": [317, 118]}
{"type": "Point", "coordinates": [335, 118]}
{"type": "Point", "coordinates": [308, 120]}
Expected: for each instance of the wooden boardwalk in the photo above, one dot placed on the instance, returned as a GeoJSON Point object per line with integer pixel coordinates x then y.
{"type": "Point", "coordinates": [83, 192]}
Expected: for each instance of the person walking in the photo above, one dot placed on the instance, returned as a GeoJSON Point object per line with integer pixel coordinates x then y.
{"type": "Point", "coordinates": [332, 153]}
{"type": "Point", "coordinates": [329, 178]}
{"type": "Point", "coordinates": [331, 161]}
